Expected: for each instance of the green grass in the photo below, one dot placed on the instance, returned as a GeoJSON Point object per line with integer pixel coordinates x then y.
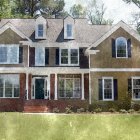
{"type": "Point", "coordinates": [18, 126]}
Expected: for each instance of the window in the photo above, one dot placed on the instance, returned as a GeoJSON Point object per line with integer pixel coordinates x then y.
{"type": "Point", "coordinates": [40, 56]}
{"type": "Point", "coordinates": [69, 88]}
{"type": "Point", "coordinates": [40, 30]}
{"type": "Point", "coordinates": [69, 57]}
{"type": "Point", "coordinates": [121, 48]}
{"type": "Point", "coordinates": [69, 30]}
{"type": "Point", "coordinates": [108, 88]}
{"type": "Point", "coordinates": [9, 54]}
{"type": "Point", "coordinates": [9, 86]}
{"type": "Point", "coordinates": [136, 87]}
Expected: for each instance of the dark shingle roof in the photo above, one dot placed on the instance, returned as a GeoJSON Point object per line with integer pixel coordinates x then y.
{"type": "Point", "coordinates": [84, 32]}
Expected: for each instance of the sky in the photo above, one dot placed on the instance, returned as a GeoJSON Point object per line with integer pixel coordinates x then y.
{"type": "Point", "coordinates": [115, 9]}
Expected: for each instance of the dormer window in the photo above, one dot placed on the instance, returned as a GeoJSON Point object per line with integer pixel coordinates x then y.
{"type": "Point", "coordinates": [69, 30]}
{"type": "Point", "coordinates": [40, 30]}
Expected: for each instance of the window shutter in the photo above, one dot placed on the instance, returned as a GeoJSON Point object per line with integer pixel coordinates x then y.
{"type": "Point", "coordinates": [129, 85]}
{"type": "Point", "coordinates": [100, 89]}
{"type": "Point", "coordinates": [115, 89]}
{"type": "Point", "coordinates": [20, 54]}
{"type": "Point", "coordinates": [32, 56]}
{"type": "Point", "coordinates": [113, 48]}
{"type": "Point", "coordinates": [57, 56]}
{"type": "Point", "coordinates": [129, 47]}
{"type": "Point", "coordinates": [46, 56]}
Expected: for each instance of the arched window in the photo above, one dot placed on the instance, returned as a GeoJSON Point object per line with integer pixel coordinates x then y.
{"type": "Point", "coordinates": [121, 47]}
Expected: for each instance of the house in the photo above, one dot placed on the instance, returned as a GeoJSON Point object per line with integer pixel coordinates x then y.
{"type": "Point", "coordinates": [49, 63]}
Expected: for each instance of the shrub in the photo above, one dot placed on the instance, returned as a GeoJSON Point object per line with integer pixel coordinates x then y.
{"type": "Point", "coordinates": [97, 110]}
{"type": "Point", "coordinates": [80, 110]}
{"type": "Point", "coordinates": [56, 110]}
{"type": "Point", "coordinates": [68, 109]}
{"type": "Point", "coordinates": [123, 111]}
{"type": "Point", "coordinates": [131, 111]}
{"type": "Point", "coordinates": [112, 110]}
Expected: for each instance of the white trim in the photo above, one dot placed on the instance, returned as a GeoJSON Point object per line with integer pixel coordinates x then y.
{"type": "Point", "coordinates": [56, 95]}
{"type": "Point", "coordinates": [114, 69]}
{"type": "Point", "coordinates": [13, 28]}
{"type": "Point", "coordinates": [112, 30]}
{"type": "Point", "coordinates": [83, 92]}
{"type": "Point", "coordinates": [111, 78]}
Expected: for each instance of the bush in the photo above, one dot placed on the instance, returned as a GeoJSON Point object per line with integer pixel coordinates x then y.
{"type": "Point", "coordinates": [68, 109]}
{"type": "Point", "coordinates": [123, 111]}
{"type": "Point", "coordinates": [112, 110]}
{"type": "Point", "coordinates": [97, 110]}
{"type": "Point", "coordinates": [56, 110]}
{"type": "Point", "coordinates": [80, 110]}
{"type": "Point", "coordinates": [131, 111]}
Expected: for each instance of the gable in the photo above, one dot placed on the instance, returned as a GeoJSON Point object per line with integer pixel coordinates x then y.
{"type": "Point", "coordinates": [10, 37]}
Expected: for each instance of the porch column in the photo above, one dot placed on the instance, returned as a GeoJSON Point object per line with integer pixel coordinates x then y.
{"type": "Point", "coordinates": [27, 79]}
{"type": "Point", "coordinates": [55, 96]}
{"type": "Point", "coordinates": [83, 97]}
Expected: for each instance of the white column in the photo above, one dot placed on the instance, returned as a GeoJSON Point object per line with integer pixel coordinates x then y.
{"type": "Point", "coordinates": [83, 97]}
{"type": "Point", "coordinates": [27, 85]}
{"type": "Point", "coordinates": [55, 96]}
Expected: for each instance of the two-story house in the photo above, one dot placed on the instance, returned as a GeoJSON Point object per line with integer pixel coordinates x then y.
{"type": "Point", "coordinates": [48, 63]}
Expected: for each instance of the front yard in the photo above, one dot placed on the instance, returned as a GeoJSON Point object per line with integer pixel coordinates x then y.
{"type": "Point", "coordinates": [18, 126]}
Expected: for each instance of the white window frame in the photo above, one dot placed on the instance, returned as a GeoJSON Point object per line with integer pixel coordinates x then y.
{"type": "Point", "coordinates": [73, 88]}
{"type": "Point", "coordinates": [9, 47]}
{"type": "Point", "coordinates": [12, 89]}
{"type": "Point", "coordinates": [117, 47]}
{"type": "Point", "coordinates": [103, 79]}
{"type": "Point", "coordinates": [36, 59]}
{"type": "Point", "coordinates": [133, 78]}
{"type": "Point", "coordinates": [69, 57]}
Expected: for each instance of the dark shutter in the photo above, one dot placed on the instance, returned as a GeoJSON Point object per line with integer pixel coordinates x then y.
{"type": "Point", "coordinates": [32, 56]}
{"type": "Point", "coordinates": [129, 47]}
{"type": "Point", "coordinates": [20, 54]}
{"type": "Point", "coordinates": [83, 60]}
{"type": "Point", "coordinates": [113, 48]}
{"type": "Point", "coordinates": [46, 56]}
{"type": "Point", "coordinates": [57, 56]}
{"type": "Point", "coordinates": [115, 89]}
{"type": "Point", "coordinates": [129, 85]}
{"type": "Point", "coordinates": [100, 89]}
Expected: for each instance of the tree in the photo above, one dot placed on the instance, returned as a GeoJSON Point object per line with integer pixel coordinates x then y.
{"type": "Point", "coordinates": [136, 2]}
{"type": "Point", "coordinates": [95, 13]}
{"type": "Point", "coordinates": [77, 11]}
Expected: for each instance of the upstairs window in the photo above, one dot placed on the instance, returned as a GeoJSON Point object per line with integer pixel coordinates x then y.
{"type": "Point", "coordinates": [40, 30]}
{"type": "Point", "coordinates": [9, 54]}
{"type": "Point", "coordinates": [121, 47]}
{"type": "Point", "coordinates": [69, 57]}
{"type": "Point", "coordinates": [69, 30]}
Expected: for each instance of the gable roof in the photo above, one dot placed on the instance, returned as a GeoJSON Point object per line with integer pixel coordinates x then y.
{"type": "Point", "coordinates": [13, 28]}
{"type": "Point", "coordinates": [121, 24]}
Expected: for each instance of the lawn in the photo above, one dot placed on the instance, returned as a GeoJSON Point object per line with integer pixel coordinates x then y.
{"type": "Point", "coordinates": [18, 126]}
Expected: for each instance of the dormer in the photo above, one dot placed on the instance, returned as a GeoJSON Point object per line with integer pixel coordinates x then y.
{"type": "Point", "coordinates": [40, 28]}
{"type": "Point", "coordinates": [69, 28]}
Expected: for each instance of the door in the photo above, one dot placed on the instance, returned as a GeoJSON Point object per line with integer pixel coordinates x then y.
{"type": "Point", "coordinates": [39, 88]}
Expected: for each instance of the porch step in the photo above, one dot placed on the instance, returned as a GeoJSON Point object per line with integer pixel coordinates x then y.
{"type": "Point", "coordinates": [36, 109]}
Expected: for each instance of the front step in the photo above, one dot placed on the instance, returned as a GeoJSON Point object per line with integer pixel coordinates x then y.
{"type": "Point", "coordinates": [35, 109]}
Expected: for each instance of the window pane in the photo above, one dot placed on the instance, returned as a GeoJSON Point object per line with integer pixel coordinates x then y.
{"type": "Point", "coordinates": [107, 83]}
{"type": "Point", "coordinates": [74, 56]}
{"type": "Point", "coordinates": [121, 47]}
{"type": "Point", "coordinates": [61, 88]}
{"type": "Point", "coordinates": [1, 87]}
{"type": "Point", "coordinates": [40, 30]}
{"type": "Point", "coordinates": [16, 91]}
{"type": "Point", "coordinates": [13, 55]}
{"type": "Point", "coordinates": [77, 90]}
{"type": "Point", "coordinates": [69, 30]}
{"type": "Point", "coordinates": [8, 89]}
{"type": "Point", "coordinates": [64, 56]}
{"type": "Point", "coordinates": [108, 93]}
{"type": "Point", "coordinates": [40, 56]}
{"type": "Point", "coordinates": [69, 87]}
{"type": "Point", "coordinates": [3, 54]}
{"type": "Point", "coordinates": [64, 52]}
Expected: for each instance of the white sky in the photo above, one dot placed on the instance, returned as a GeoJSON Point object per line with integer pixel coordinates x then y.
{"type": "Point", "coordinates": [116, 9]}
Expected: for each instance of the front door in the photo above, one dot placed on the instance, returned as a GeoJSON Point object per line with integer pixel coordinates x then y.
{"type": "Point", "coordinates": [39, 88]}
